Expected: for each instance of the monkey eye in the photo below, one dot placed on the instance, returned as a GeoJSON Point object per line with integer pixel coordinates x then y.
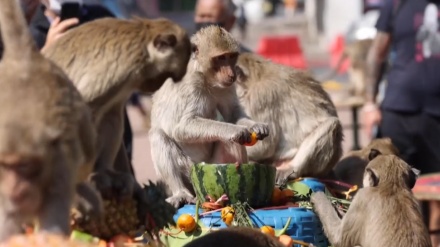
{"type": "Point", "coordinates": [28, 170]}
{"type": "Point", "coordinates": [221, 58]}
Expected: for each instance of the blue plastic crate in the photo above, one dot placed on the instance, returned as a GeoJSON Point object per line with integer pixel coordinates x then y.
{"type": "Point", "coordinates": [304, 224]}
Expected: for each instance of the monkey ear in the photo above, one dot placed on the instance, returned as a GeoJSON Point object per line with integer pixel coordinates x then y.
{"type": "Point", "coordinates": [373, 154]}
{"type": "Point", "coordinates": [413, 175]}
{"type": "Point", "coordinates": [370, 178]}
{"type": "Point", "coordinates": [194, 49]}
{"type": "Point", "coordinates": [164, 41]}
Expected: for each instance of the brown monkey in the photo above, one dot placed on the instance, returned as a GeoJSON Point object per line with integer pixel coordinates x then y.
{"type": "Point", "coordinates": [350, 169]}
{"type": "Point", "coordinates": [47, 137]}
{"type": "Point", "coordinates": [383, 213]}
{"type": "Point", "coordinates": [357, 53]}
{"type": "Point", "coordinates": [107, 60]}
{"type": "Point", "coordinates": [184, 115]}
{"type": "Point", "coordinates": [237, 237]}
{"type": "Point", "coordinates": [306, 134]}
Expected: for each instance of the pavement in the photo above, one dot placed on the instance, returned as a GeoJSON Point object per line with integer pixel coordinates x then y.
{"type": "Point", "coordinates": [315, 52]}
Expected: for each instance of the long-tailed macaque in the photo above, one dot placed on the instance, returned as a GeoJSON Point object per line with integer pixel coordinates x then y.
{"type": "Point", "coordinates": [383, 213]}
{"type": "Point", "coordinates": [184, 127]}
{"type": "Point", "coordinates": [306, 133]}
{"type": "Point", "coordinates": [47, 138]}
{"type": "Point", "coordinates": [107, 60]}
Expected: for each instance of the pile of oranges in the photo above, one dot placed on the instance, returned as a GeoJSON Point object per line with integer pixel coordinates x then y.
{"type": "Point", "coordinates": [282, 197]}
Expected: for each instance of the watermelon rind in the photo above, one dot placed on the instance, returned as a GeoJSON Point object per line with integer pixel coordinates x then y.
{"type": "Point", "coordinates": [251, 183]}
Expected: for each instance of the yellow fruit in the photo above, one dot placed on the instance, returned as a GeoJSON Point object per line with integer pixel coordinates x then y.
{"type": "Point", "coordinates": [286, 195]}
{"type": "Point", "coordinates": [227, 210]}
{"type": "Point", "coordinates": [268, 230]}
{"type": "Point", "coordinates": [228, 218]}
{"type": "Point", "coordinates": [186, 223]}
{"type": "Point", "coordinates": [286, 240]}
{"type": "Point", "coordinates": [276, 197]}
{"type": "Point", "coordinates": [253, 140]}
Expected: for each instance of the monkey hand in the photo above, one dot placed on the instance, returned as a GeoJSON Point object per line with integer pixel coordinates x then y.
{"type": "Point", "coordinates": [242, 136]}
{"type": "Point", "coordinates": [181, 197]}
{"type": "Point", "coordinates": [87, 202]}
{"type": "Point", "coordinates": [111, 183]}
{"type": "Point", "coordinates": [261, 129]}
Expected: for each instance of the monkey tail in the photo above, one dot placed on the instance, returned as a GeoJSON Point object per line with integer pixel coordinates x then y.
{"type": "Point", "coordinates": [17, 40]}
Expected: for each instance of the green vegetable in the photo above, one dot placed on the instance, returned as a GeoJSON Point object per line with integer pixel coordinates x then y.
{"type": "Point", "coordinates": [251, 183]}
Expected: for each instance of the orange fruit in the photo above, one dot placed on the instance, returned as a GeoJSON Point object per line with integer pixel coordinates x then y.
{"type": "Point", "coordinates": [276, 196]}
{"type": "Point", "coordinates": [227, 210]}
{"type": "Point", "coordinates": [253, 140]}
{"type": "Point", "coordinates": [286, 195]}
{"type": "Point", "coordinates": [228, 218]}
{"type": "Point", "coordinates": [268, 230]}
{"type": "Point", "coordinates": [186, 223]}
{"type": "Point", "coordinates": [286, 240]}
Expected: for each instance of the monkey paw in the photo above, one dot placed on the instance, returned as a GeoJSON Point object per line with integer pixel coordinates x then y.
{"type": "Point", "coordinates": [111, 183]}
{"type": "Point", "coordinates": [261, 129]}
{"type": "Point", "coordinates": [87, 202]}
{"type": "Point", "coordinates": [242, 136]}
{"type": "Point", "coordinates": [317, 197]}
{"type": "Point", "coordinates": [180, 198]}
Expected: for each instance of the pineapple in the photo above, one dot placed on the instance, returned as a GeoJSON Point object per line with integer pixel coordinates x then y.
{"type": "Point", "coordinates": [129, 217]}
{"type": "Point", "coordinates": [43, 240]}
{"type": "Point", "coordinates": [121, 217]}
{"type": "Point", "coordinates": [158, 213]}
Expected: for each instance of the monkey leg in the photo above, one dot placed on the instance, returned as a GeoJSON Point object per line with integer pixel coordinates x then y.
{"type": "Point", "coordinates": [330, 220]}
{"type": "Point", "coordinates": [55, 214]}
{"type": "Point", "coordinates": [318, 153]}
{"type": "Point", "coordinates": [229, 153]}
{"type": "Point", "coordinates": [112, 174]}
{"type": "Point", "coordinates": [110, 135]}
{"type": "Point", "coordinates": [172, 166]}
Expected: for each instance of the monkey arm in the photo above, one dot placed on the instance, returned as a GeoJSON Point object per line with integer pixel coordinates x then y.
{"type": "Point", "coordinates": [330, 220]}
{"type": "Point", "coordinates": [376, 56]}
{"type": "Point", "coordinates": [201, 130]}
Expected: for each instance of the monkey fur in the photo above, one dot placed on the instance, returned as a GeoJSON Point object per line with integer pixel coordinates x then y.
{"type": "Point", "coordinates": [383, 213]}
{"type": "Point", "coordinates": [184, 115]}
{"type": "Point", "coordinates": [237, 237]}
{"type": "Point", "coordinates": [350, 169]}
{"type": "Point", "coordinates": [47, 138]}
{"type": "Point", "coordinates": [306, 134]}
{"type": "Point", "coordinates": [107, 60]}
{"type": "Point", "coordinates": [357, 53]}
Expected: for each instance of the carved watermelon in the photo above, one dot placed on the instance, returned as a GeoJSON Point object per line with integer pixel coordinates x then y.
{"type": "Point", "coordinates": [251, 183]}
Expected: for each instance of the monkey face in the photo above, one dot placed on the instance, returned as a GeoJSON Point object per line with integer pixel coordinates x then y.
{"type": "Point", "coordinates": [21, 184]}
{"type": "Point", "coordinates": [389, 170]}
{"type": "Point", "coordinates": [225, 71]}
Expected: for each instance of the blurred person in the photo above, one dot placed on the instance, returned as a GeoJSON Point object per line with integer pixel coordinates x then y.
{"type": "Point", "coordinates": [216, 12]}
{"type": "Point", "coordinates": [410, 110]}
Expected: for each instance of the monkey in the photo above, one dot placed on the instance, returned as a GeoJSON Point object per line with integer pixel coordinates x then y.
{"type": "Point", "coordinates": [237, 237]}
{"type": "Point", "coordinates": [383, 213]}
{"type": "Point", "coordinates": [47, 137]}
{"type": "Point", "coordinates": [357, 53]}
{"type": "Point", "coordinates": [184, 115]}
{"type": "Point", "coordinates": [306, 134]}
{"type": "Point", "coordinates": [108, 60]}
{"type": "Point", "coordinates": [350, 169]}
